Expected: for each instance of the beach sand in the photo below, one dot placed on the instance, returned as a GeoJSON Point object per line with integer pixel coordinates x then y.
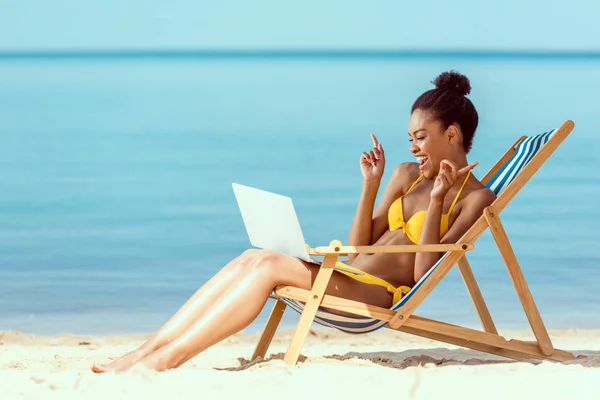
{"type": "Point", "coordinates": [385, 364]}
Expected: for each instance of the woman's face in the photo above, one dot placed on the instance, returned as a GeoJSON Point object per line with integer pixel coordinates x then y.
{"type": "Point", "coordinates": [429, 142]}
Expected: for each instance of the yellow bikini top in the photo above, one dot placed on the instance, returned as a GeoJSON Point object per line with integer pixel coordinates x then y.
{"type": "Point", "coordinates": [414, 226]}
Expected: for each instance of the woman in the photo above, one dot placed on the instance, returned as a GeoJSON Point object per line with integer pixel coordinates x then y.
{"type": "Point", "coordinates": [431, 201]}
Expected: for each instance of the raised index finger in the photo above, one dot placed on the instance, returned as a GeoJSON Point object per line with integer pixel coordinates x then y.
{"type": "Point", "coordinates": [375, 141]}
{"type": "Point", "coordinates": [467, 168]}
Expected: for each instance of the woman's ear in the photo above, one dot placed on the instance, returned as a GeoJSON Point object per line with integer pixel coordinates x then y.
{"type": "Point", "coordinates": [453, 134]}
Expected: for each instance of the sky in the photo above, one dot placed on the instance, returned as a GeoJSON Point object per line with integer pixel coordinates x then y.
{"type": "Point", "coordinates": [315, 24]}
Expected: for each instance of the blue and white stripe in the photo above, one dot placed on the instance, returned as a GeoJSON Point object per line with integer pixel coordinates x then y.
{"type": "Point", "coordinates": [524, 152]}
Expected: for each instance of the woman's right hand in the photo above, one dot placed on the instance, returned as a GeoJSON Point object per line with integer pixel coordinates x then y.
{"type": "Point", "coordinates": [372, 163]}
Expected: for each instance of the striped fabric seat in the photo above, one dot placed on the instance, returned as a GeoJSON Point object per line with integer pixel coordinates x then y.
{"type": "Point", "coordinates": [524, 152]}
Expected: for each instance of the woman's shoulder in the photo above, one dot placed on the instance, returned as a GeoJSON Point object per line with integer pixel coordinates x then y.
{"type": "Point", "coordinates": [406, 172]}
{"type": "Point", "coordinates": [479, 195]}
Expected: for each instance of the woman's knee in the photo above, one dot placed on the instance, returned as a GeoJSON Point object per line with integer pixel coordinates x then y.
{"type": "Point", "coordinates": [242, 260]}
{"type": "Point", "coordinates": [266, 261]}
{"type": "Point", "coordinates": [256, 260]}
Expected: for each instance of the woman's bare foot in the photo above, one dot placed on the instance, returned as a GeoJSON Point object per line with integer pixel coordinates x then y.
{"type": "Point", "coordinates": [121, 363]}
{"type": "Point", "coordinates": [162, 359]}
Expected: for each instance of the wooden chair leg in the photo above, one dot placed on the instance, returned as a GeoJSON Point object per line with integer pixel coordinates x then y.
{"type": "Point", "coordinates": [516, 274]}
{"type": "Point", "coordinates": [310, 308]}
{"type": "Point", "coordinates": [269, 331]}
{"type": "Point", "coordinates": [484, 314]}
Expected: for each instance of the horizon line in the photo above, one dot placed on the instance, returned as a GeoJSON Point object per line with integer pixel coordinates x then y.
{"type": "Point", "coordinates": [293, 53]}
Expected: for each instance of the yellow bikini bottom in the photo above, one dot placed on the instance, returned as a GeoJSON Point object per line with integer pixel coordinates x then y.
{"type": "Point", "coordinates": [364, 277]}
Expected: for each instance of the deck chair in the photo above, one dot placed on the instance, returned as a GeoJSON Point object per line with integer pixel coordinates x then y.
{"type": "Point", "coordinates": [505, 178]}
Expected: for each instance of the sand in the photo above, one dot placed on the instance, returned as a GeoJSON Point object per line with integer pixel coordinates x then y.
{"type": "Point", "coordinates": [386, 364]}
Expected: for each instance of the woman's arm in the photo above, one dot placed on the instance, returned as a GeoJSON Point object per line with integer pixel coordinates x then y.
{"type": "Point", "coordinates": [372, 165]}
{"type": "Point", "coordinates": [429, 235]}
{"type": "Point", "coordinates": [361, 230]}
{"type": "Point", "coordinates": [470, 212]}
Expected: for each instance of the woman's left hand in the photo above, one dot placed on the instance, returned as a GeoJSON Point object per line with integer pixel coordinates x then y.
{"type": "Point", "coordinates": [446, 178]}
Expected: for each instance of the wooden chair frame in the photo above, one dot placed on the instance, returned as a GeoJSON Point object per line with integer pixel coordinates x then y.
{"type": "Point", "coordinates": [488, 340]}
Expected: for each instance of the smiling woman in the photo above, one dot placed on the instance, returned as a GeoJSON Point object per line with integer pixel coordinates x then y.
{"type": "Point", "coordinates": [441, 130]}
{"type": "Point", "coordinates": [441, 126]}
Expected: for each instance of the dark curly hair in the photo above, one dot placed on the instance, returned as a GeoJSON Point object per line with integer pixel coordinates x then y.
{"type": "Point", "coordinates": [448, 104]}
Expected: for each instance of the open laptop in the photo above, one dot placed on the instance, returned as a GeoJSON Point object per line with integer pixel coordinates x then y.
{"type": "Point", "coordinates": [271, 222]}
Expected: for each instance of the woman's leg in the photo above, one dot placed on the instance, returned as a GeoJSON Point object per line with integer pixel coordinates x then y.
{"type": "Point", "coordinates": [187, 314]}
{"type": "Point", "coordinates": [241, 305]}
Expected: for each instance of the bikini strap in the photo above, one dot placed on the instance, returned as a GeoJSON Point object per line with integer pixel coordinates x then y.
{"type": "Point", "coordinates": [458, 194]}
{"type": "Point", "coordinates": [414, 183]}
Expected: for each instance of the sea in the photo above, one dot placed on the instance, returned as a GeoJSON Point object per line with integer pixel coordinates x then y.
{"type": "Point", "coordinates": [116, 172]}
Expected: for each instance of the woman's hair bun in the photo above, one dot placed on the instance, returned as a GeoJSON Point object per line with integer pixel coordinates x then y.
{"type": "Point", "coordinates": [453, 81]}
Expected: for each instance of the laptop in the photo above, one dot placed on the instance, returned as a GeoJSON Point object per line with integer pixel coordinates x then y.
{"type": "Point", "coordinates": [271, 221]}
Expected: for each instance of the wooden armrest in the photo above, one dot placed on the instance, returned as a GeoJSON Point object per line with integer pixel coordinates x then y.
{"type": "Point", "coordinates": [345, 250]}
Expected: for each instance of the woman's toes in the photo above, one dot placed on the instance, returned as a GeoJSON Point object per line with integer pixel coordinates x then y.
{"type": "Point", "coordinates": [98, 368]}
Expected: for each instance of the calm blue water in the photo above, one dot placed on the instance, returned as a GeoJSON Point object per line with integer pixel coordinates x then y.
{"type": "Point", "coordinates": [115, 177]}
